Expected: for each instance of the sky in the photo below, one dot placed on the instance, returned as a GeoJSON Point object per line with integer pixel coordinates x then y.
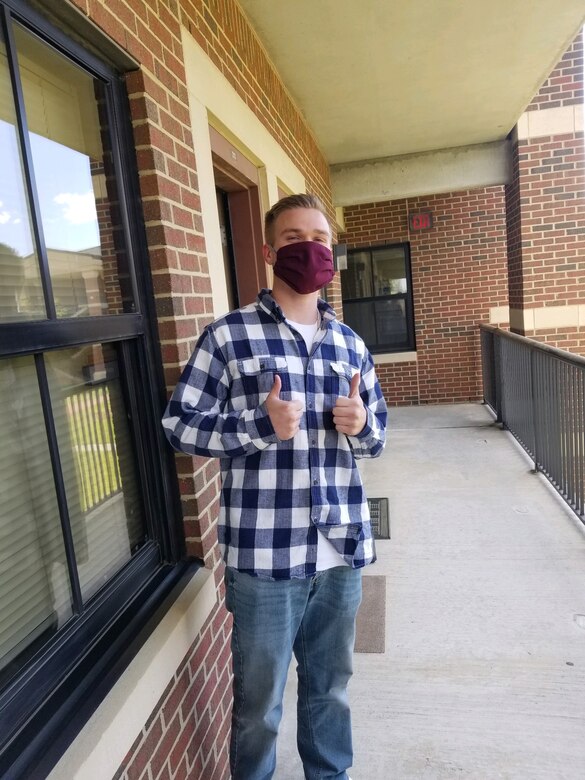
{"type": "Point", "coordinates": [66, 197]}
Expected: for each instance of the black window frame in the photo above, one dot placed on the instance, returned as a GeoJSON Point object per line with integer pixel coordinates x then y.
{"type": "Point", "coordinates": [410, 343]}
{"type": "Point", "coordinates": [49, 700]}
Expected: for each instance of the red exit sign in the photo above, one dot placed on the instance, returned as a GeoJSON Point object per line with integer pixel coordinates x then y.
{"type": "Point", "coordinates": [423, 220]}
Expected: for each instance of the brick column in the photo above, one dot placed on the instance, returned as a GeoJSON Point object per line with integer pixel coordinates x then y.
{"type": "Point", "coordinates": [545, 211]}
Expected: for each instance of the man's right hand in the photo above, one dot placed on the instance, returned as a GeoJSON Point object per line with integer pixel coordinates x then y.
{"type": "Point", "coordinates": [284, 415]}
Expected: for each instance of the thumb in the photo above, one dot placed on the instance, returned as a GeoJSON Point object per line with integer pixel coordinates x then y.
{"type": "Point", "coordinates": [275, 392]}
{"type": "Point", "coordinates": [354, 387]}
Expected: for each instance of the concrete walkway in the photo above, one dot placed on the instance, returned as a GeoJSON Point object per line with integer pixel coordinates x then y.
{"type": "Point", "coordinates": [483, 675]}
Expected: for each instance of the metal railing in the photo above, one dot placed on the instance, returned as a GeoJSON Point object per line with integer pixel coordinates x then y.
{"type": "Point", "coordinates": [538, 393]}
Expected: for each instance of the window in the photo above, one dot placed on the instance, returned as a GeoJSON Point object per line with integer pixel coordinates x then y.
{"type": "Point", "coordinates": [86, 529]}
{"type": "Point", "coordinates": [377, 297]}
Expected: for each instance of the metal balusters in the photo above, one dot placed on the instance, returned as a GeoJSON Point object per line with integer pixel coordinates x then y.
{"type": "Point", "coordinates": [538, 392]}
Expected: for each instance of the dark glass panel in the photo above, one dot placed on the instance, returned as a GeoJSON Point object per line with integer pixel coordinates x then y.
{"type": "Point", "coordinates": [35, 596]}
{"type": "Point", "coordinates": [389, 268]}
{"type": "Point", "coordinates": [360, 316]}
{"type": "Point", "coordinates": [392, 330]}
{"type": "Point", "coordinates": [98, 461]}
{"type": "Point", "coordinates": [356, 280]}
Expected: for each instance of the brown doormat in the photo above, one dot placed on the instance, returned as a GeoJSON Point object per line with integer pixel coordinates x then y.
{"type": "Point", "coordinates": [371, 618]}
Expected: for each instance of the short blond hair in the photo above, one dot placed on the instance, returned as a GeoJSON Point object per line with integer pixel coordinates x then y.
{"type": "Point", "coordinates": [301, 201]}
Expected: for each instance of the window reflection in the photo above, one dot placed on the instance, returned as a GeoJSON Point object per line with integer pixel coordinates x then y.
{"type": "Point", "coordinates": [74, 181]}
{"type": "Point", "coordinates": [389, 271]}
{"type": "Point", "coordinates": [35, 597]}
{"type": "Point", "coordinates": [391, 322]}
{"type": "Point", "coordinates": [97, 461]}
{"type": "Point", "coordinates": [356, 280]}
{"type": "Point", "coordinates": [21, 295]}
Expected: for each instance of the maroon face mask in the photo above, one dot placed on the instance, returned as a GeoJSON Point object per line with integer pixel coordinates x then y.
{"type": "Point", "coordinates": [306, 266]}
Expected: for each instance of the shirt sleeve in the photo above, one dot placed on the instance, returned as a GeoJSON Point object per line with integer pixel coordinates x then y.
{"type": "Point", "coordinates": [196, 420]}
{"type": "Point", "coordinates": [371, 440]}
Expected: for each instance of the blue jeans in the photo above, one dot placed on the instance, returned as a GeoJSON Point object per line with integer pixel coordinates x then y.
{"type": "Point", "coordinates": [315, 619]}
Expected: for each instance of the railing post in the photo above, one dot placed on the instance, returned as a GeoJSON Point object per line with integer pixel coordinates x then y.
{"type": "Point", "coordinates": [498, 378]}
{"type": "Point", "coordinates": [533, 398]}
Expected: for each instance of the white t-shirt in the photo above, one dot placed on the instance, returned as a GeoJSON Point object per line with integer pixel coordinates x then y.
{"type": "Point", "coordinates": [327, 555]}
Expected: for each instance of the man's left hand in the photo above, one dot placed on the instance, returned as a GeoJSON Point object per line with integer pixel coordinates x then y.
{"type": "Point", "coordinates": [349, 414]}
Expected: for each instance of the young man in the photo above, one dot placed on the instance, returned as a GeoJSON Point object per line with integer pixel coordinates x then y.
{"type": "Point", "coordinates": [286, 396]}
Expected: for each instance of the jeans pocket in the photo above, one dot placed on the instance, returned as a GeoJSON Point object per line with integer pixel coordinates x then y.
{"type": "Point", "coordinates": [229, 588]}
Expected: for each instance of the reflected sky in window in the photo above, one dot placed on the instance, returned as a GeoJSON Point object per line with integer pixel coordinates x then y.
{"type": "Point", "coordinates": [66, 196]}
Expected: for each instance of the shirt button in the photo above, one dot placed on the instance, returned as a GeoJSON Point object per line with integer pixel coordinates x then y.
{"type": "Point", "coordinates": [309, 406]}
{"type": "Point", "coordinates": [313, 442]}
{"type": "Point", "coordinates": [315, 482]}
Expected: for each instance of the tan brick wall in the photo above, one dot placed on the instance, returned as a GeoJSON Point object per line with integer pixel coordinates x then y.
{"type": "Point", "coordinates": [187, 732]}
{"type": "Point", "coordinates": [458, 273]}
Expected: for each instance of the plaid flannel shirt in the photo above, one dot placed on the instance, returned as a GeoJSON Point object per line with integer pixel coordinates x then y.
{"type": "Point", "coordinates": [276, 494]}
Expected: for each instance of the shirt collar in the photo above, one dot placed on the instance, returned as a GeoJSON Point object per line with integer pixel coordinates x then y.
{"type": "Point", "coordinates": [266, 302]}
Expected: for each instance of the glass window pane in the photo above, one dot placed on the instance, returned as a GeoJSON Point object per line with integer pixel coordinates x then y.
{"type": "Point", "coordinates": [97, 460]}
{"type": "Point", "coordinates": [35, 597]}
{"type": "Point", "coordinates": [391, 322]}
{"type": "Point", "coordinates": [389, 270]}
{"type": "Point", "coordinates": [360, 317]}
{"type": "Point", "coordinates": [21, 294]}
{"type": "Point", "coordinates": [356, 280]}
{"type": "Point", "coordinates": [78, 199]}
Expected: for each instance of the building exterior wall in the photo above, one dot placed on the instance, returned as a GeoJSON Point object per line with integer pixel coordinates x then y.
{"type": "Point", "coordinates": [545, 204]}
{"type": "Point", "coordinates": [564, 86]}
{"type": "Point", "coordinates": [186, 733]}
{"type": "Point", "coordinates": [459, 280]}
{"type": "Point", "coordinates": [512, 254]}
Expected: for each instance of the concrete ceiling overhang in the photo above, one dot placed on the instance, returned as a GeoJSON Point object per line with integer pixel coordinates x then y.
{"type": "Point", "coordinates": [380, 78]}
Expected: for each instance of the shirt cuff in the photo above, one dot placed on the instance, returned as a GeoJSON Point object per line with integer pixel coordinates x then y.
{"type": "Point", "coordinates": [366, 432]}
{"type": "Point", "coordinates": [260, 428]}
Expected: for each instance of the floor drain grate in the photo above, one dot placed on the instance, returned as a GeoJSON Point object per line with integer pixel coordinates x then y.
{"type": "Point", "coordinates": [380, 517]}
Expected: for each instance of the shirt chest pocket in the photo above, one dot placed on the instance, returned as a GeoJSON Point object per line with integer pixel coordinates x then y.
{"type": "Point", "coordinates": [257, 377]}
{"type": "Point", "coordinates": [340, 378]}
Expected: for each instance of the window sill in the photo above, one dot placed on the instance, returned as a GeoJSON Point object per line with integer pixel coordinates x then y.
{"type": "Point", "coordinates": [394, 357]}
{"type": "Point", "coordinates": [102, 744]}
{"type": "Point", "coordinates": [79, 709]}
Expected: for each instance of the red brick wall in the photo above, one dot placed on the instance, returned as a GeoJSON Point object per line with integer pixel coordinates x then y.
{"type": "Point", "coordinates": [569, 339]}
{"type": "Point", "coordinates": [564, 86]}
{"type": "Point", "coordinates": [550, 174]}
{"type": "Point", "coordinates": [545, 204]}
{"type": "Point", "coordinates": [399, 383]}
{"type": "Point", "coordinates": [458, 274]}
{"type": "Point", "coordinates": [514, 233]}
{"type": "Point", "coordinates": [192, 719]}
{"type": "Point", "coordinates": [187, 734]}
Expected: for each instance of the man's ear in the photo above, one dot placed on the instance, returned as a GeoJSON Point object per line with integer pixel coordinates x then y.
{"type": "Point", "coordinates": [269, 254]}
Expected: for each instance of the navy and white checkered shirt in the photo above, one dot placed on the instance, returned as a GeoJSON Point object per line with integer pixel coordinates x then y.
{"type": "Point", "coordinates": [275, 494]}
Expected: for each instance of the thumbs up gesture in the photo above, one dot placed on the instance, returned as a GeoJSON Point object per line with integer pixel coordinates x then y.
{"type": "Point", "coordinates": [284, 415]}
{"type": "Point", "coordinates": [349, 414]}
